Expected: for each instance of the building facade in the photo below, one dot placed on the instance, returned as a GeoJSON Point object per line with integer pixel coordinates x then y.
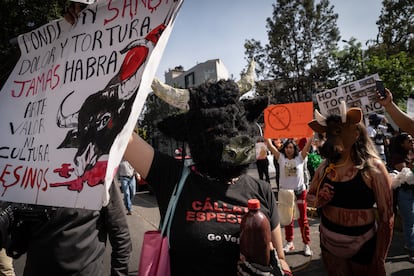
{"type": "Point", "coordinates": [210, 70]}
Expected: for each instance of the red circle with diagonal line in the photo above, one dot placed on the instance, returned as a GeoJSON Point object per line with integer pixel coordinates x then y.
{"type": "Point", "coordinates": [279, 117]}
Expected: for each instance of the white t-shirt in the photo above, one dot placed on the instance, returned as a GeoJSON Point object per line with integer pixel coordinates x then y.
{"type": "Point", "coordinates": [291, 172]}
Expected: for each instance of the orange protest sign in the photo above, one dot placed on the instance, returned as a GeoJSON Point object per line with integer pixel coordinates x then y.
{"type": "Point", "coordinates": [288, 120]}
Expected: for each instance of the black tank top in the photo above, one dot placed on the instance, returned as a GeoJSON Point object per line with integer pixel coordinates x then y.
{"type": "Point", "coordinates": [351, 194]}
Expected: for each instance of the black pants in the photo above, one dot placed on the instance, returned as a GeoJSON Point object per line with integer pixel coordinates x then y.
{"type": "Point", "coordinates": [263, 169]}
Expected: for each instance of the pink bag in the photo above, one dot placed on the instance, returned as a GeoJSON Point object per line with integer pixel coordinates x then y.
{"type": "Point", "coordinates": [155, 255]}
{"type": "Point", "coordinates": [155, 258]}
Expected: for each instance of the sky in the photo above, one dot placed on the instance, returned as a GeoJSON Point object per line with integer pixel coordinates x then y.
{"type": "Point", "coordinates": [214, 29]}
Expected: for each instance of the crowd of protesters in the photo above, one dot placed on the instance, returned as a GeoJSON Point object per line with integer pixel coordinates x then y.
{"type": "Point", "coordinates": [296, 162]}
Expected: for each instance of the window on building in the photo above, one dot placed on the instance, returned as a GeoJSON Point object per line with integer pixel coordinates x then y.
{"type": "Point", "coordinates": [189, 80]}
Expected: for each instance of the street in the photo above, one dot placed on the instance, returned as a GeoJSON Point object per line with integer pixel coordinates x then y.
{"type": "Point", "coordinates": [145, 216]}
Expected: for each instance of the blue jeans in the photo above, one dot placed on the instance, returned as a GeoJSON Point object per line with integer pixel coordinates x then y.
{"type": "Point", "coordinates": [128, 185]}
{"type": "Point", "coordinates": [406, 207]}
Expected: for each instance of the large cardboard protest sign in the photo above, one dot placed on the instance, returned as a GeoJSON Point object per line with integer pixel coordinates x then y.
{"type": "Point", "coordinates": [73, 98]}
{"type": "Point", "coordinates": [361, 93]}
{"type": "Point", "coordinates": [288, 120]}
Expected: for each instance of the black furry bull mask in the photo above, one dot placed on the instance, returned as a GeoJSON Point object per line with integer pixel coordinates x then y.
{"type": "Point", "coordinates": [219, 128]}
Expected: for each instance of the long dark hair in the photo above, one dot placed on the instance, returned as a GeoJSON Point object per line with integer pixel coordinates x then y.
{"type": "Point", "coordinates": [286, 143]}
{"type": "Point", "coordinates": [363, 152]}
{"type": "Point", "coordinates": [397, 144]}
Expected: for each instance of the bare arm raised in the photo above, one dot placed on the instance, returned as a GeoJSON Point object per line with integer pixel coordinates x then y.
{"type": "Point", "coordinates": [306, 148]}
{"type": "Point", "coordinates": [139, 154]}
{"type": "Point", "coordinates": [405, 122]}
{"type": "Point", "coordinates": [272, 148]}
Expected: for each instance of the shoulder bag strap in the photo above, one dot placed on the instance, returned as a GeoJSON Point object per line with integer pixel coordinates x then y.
{"type": "Point", "coordinates": [165, 229]}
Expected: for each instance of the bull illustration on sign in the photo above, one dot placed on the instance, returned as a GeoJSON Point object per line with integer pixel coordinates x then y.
{"type": "Point", "coordinates": [94, 127]}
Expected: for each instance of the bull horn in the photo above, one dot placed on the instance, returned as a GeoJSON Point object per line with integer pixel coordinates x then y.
{"type": "Point", "coordinates": [320, 118]}
{"type": "Point", "coordinates": [342, 111]}
{"type": "Point", "coordinates": [246, 82]}
{"type": "Point", "coordinates": [174, 96]}
{"type": "Point", "coordinates": [69, 121]}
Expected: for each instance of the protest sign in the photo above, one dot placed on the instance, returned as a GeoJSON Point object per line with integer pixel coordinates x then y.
{"type": "Point", "coordinates": [288, 120]}
{"type": "Point", "coordinates": [360, 93]}
{"type": "Point", "coordinates": [73, 99]}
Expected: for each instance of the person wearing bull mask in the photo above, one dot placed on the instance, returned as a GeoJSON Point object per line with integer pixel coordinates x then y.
{"type": "Point", "coordinates": [67, 241]}
{"type": "Point", "coordinates": [206, 224]}
{"type": "Point", "coordinates": [354, 235]}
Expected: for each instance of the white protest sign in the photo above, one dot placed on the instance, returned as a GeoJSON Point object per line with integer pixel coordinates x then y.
{"type": "Point", "coordinates": [73, 99]}
{"type": "Point", "coordinates": [361, 93]}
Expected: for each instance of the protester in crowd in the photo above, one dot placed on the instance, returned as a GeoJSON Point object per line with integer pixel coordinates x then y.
{"type": "Point", "coordinates": [278, 144]}
{"type": "Point", "coordinates": [206, 224]}
{"type": "Point", "coordinates": [376, 131]}
{"type": "Point", "coordinates": [406, 123]}
{"type": "Point", "coordinates": [292, 177]}
{"type": "Point", "coordinates": [67, 241]}
{"type": "Point", "coordinates": [262, 163]}
{"type": "Point", "coordinates": [307, 176]}
{"type": "Point", "coordinates": [314, 157]}
{"type": "Point", "coordinates": [353, 194]}
{"type": "Point", "coordinates": [402, 145]}
{"type": "Point", "coordinates": [390, 135]}
{"type": "Point", "coordinates": [127, 178]}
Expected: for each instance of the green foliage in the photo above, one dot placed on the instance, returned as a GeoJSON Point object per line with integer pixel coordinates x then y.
{"type": "Point", "coordinates": [18, 17]}
{"type": "Point", "coordinates": [155, 109]}
{"type": "Point", "coordinates": [301, 35]}
{"type": "Point", "coordinates": [396, 26]}
{"type": "Point", "coordinates": [350, 62]}
{"type": "Point", "coordinates": [302, 55]}
{"type": "Point", "coordinates": [397, 72]}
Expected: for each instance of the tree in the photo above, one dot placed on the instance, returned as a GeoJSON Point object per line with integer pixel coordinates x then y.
{"type": "Point", "coordinates": [18, 17]}
{"type": "Point", "coordinates": [302, 36]}
{"type": "Point", "coordinates": [397, 72]}
{"type": "Point", "coordinates": [154, 110]}
{"type": "Point", "coordinates": [350, 62]}
{"type": "Point", "coordinates": [392, 54]}
{"type": "Point", "coordinates": [396, 26]}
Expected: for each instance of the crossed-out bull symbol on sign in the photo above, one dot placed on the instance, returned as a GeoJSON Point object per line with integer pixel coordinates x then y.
{"type": "Point", "coordinates": [279, 117]}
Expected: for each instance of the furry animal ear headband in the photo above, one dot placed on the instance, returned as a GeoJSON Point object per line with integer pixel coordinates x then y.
{"type": "Point", "coordinates": [351, 116]}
